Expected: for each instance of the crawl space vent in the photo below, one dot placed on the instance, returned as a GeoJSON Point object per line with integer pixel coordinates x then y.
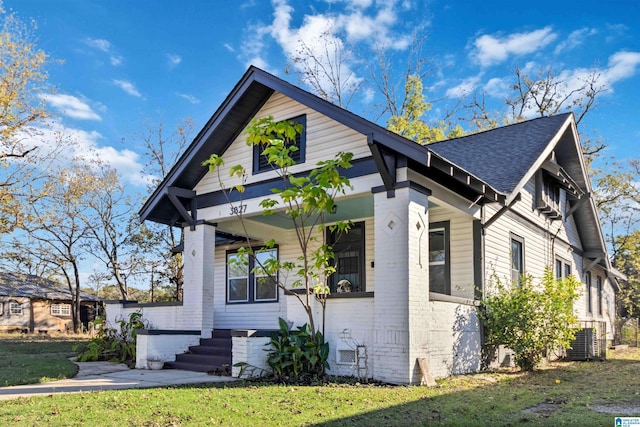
{"type": "Point", "coordinates": [345, 356]}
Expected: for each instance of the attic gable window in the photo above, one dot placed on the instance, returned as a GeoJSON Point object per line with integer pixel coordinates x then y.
{"type": "Point", "coordinates": [261, 163]}
{"type": "Point", "coordinates": [548, 195]}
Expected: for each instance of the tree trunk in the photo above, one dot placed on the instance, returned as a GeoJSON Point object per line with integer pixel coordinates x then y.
{"type": "Point", "coordinates": [77, 323]}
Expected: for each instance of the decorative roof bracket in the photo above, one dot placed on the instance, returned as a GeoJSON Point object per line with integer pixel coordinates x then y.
{"type": "Point", "coordinates": [175, 194]}
{"type": "Point", "coordinates": [386, 163]}
{"type": "Point", "coordinates": [576, 205]}
{"type": "Point", "coordinates": [502, 210]}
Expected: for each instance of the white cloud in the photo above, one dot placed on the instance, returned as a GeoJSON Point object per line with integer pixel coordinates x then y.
{"type": "Point", "coordinates": [466, 87]}
{"type": "Point", "coordinates": [229, 47]}
{"type": "Point", "coordinates": [490, 50]}
{"type": "Point", "coordinates": [106, 47]}
{"type": "Point", "coordinates": [575, 39]}
{"type": "Point", "coordinates": [100, 44]}
{"type": "Point", "coordinates": [128, 87]}
{"type": "Point", "coordinates": [497, 87]}
{"type": "Point", "coordinates": [622, 65]}
{"type": "Point", "coordinates": [254, 48]}
{"type": "Point", "coordinates": [325, 35]}
{"type": "Point", "coordinates": [71, 106]}
{"type": "Point", "coordinates": [173, 59]}
{"type": "Point", "coordinates": [192, 99]}
{"type": "Point", "coordinates": [116, 60]}
{"type": "Point", "coordinates": [86, 145]}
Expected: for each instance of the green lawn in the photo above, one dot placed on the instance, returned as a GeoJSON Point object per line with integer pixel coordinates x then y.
{"type": "Point", "coordinates": [28, 359]}
{"type": "Point", "coordinates": [560, 394]}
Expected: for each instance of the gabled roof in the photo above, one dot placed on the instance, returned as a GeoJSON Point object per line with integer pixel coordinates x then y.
{"type": "Point", "coordinates": [243, 102]}
{"type": "Point", "coordinates": [502, 156]}
{"type": "Point", "coordinates": [30, 286]}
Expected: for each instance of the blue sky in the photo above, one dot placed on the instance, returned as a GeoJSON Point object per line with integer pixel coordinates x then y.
{"type": "Point", "coordinates": [127, 61]}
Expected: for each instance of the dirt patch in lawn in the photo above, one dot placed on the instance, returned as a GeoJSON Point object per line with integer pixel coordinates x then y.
{"type": "Point", "coordinates": [545, 409]}
{"type": "Point", "coordinates": [622, 409]}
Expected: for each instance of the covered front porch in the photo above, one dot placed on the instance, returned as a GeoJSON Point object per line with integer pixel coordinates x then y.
{"type": "Point", "coordinates": [380, 318]}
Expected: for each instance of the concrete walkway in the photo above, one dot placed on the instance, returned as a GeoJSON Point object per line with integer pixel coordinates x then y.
{"type": "Point", "coordinates": [95, 376]}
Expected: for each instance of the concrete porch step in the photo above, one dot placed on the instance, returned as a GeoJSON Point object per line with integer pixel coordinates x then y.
{"type": "Point", "coordinates": [214, 351]}
{"type": "Point", "coordinates": [204, 359]}
{"type": "Point", "coordinates": [187, 366]}
{"type": "Point", "coordinates": [213, 354]}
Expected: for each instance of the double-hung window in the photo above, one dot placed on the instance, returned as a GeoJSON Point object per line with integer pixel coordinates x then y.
{"type": "Point", "coordinates": [349, 259]}
{"type": "Point", "coordinates": [599, 293]}
{"type": "Point", "coordinates": [517, 259]}
{"type": "Point", "coordinates": [439, 271]}
{"type": "Point", "coordinates": [261, 162]}
{"type": "Point", "coordinates": [563, 269]}
{"type": "Point", "coordinates": [589, 296]}
{"type": "Point", "coordinates": [247, 280]}
{"type": "Point", "coordinates": [61, 309]}
{"type": "Point", "coordinates": [15, 308]}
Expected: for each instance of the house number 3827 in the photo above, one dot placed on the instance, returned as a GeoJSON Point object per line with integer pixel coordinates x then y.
{"type": "Point", "coordinates": [237, 210]}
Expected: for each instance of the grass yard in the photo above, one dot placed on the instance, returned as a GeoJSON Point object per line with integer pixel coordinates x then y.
{"type": "Point", "coordinates": [28, 359]}
{"type": "Point", "coordinates": [571, 393]}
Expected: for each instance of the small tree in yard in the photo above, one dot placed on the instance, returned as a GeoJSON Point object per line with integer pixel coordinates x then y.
{"type": "Point", "coordinates": [529, 319]}
{"type": "Point", "coordinates": [305, 199]}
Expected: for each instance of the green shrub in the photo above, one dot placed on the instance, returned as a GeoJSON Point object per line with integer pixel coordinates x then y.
{"type": "Point", "coordinates": [297, 354]}
{"type": "Point", "coordinates": [531, 320]}
{"type": "Point", "coordinates": [114, 344]}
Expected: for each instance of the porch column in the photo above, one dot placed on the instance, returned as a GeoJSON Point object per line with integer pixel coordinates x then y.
{"type": "Point", "coordinates": [199, 260]}
{"type": "Point", "coordinates": [401, 283]}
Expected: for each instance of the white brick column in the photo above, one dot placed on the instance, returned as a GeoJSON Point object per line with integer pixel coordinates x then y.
{"type": "Point", "coordinates": [199, 258]}
{"type": "Point", "coordinates": [401, 284]}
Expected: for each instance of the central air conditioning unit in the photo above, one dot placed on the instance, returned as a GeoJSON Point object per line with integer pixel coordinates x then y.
{"type": "Point", "coordinates": [586, 346]}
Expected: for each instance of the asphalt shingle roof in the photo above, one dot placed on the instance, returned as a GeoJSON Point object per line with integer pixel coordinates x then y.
{"type": "Point", "coordinates": [30, 286]}
{"type": "Point", "coordinates": [502, 156]}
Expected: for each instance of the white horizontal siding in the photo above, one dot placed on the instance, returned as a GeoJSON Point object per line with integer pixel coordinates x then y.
{"type": "Point", "coordinates": [324, 138]}
{"type": "Point", "coordinates": [265, 315]}
{"type": "Point", "coordinates": [461, 249]}
{"type": "Point", "coordinates": [538, 244]}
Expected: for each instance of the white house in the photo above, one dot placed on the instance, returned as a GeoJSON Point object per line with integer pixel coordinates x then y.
{"type": "Point", "coordinates": [432, 224]}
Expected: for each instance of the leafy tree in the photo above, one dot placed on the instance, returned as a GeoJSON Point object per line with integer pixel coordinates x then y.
{"type": "Point", "coordinates": [111, 227]}
{"type": "Point", "coordinates": [56, 227]}
{"type": "Point", "coordinates": [627, 260]}
{"type": "Point", "coordinates": [404, 99]}
{"type": "Point", "coordinates": [305, 200]}
{"type": "Point", "coordinates": [22, 83]}
{"type": "Point", "coordinates": [529, 319]}
{"type": "Point", "coordinates": [409, 122]}
{"type": "Point", "coordinates": [161, 149]}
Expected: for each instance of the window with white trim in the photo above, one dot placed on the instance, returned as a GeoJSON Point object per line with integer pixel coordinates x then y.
{"type": "Point", "coordinates": [15, 308]}
{"type": "Point", "coordinates": [1, 308]}
{"type": "Point", "coordinates": [61, 309]}
{"type": "Point", "coordinates": [247, 281]}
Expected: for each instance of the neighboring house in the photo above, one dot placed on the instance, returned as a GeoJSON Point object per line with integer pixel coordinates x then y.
{"type": "Point", "coordinates": [432, 225]}
{"type": "Point", "coordinates": [30, 303]}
